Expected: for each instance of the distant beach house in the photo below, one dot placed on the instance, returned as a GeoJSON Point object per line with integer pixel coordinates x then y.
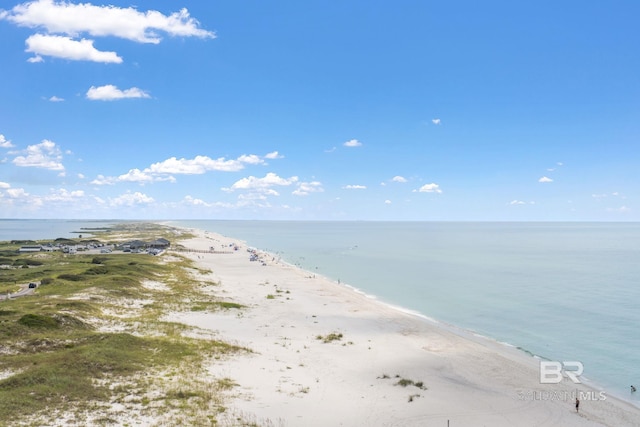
{"type": "Point", "coordinates": [160, 244]}
{"type": "Point", "coordinates": [139, 245]}
{"type": "Point", "coordinates": [135, 245]}
{"type": "Point", "coordinates": [30, 248]}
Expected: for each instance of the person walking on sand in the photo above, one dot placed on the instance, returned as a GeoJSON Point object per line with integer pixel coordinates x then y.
{"type": "Point", "coordinates": [577, 404]}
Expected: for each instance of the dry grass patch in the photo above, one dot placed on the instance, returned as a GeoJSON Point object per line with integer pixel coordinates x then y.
{"type": "Point", "coordinates": [90, 347]}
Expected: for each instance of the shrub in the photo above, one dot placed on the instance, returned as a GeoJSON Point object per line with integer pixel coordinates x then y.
{"type": "Point", "coordinates": [38, 321]}
{"type": "Point", "coordinates": [404, 382]}
{"type": "Point", "coordinates": [331, 337]}
{"type": "Point", "coordinates": [64, 241]}
{"type": "Point", "coordinates": [228, 305]}
{"type": "Point", "coordinates": [71, 277]}
{"type": "Point", "coordinates": [97, 270]}
{"type": "Point", "coordinates": [27, 262]}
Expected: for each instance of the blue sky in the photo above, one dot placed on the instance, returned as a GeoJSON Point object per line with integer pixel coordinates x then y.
{"type": "Point", "coordinates": [314, 110]}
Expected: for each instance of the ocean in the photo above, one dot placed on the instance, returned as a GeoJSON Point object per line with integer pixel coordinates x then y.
{"type": "Point", "coordinates": [559, 291]}
{"type": "Point", "coordinates": [44, 229]}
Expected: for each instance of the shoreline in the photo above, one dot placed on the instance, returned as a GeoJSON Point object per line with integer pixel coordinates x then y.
{"type": "Point", "coordinates": [431, 351]}
{"type": "Point", "coordinates": [465, 333]}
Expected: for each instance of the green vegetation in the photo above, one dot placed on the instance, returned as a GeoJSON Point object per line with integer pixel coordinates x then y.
{"type": "Point", "coordinates": [92, 335]}
{"type": "Point", "coordinates": [404, 382]}
{"type": "Point", "coordinates": [229, 305]}
{"type": "Point", "coordinates": [330, 337]}
{"type": "Point", "coordinates": [216, 305]}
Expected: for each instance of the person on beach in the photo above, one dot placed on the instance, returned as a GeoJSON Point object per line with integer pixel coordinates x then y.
{"type": "Point", "coordinates": [577, 404]}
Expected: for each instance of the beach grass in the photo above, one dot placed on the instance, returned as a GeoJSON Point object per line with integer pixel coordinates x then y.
{"type": "Point", "coordinates": [92, 335]}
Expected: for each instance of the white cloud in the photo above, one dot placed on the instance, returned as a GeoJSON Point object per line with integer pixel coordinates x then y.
{"type": "Point", "coordinates": [621, 209]}
{"type": "Point", "coordinates": [355, 187]}
{"type": "Point", "coordinates": [196, 166]}
{"type": "Point", "coordinates": [604, 195]}
{"type": "Point", "coordinates": [201, 164]}
{"type": "Point", "coordinates": [45, 155]}
{"type": "Point", "coordinates": [5, 143]}
{"type": "Point", "coordinates": [430, 188]}
{"type": "Point", "coordinates": [61, 17]}
{"type": "Point", "coordinates": [435, 121]}
{"type": "Point", "coordinates": [545, 179]}
{"type": "Point", "coordinates": [398, 178]}
{"type": "Point", "coordinates": [273, 155]}
{"type": "Point", "coordinates": [387, 202]}
{"type": "Point", "coordinates": [558, 164]}
{"type": "Point", "coordinates": [251, 159]}
{"type": "Point", "coordinates": [305, 188]}
{"type": "Point", "coordinates": [136, 175]}
{"type": "Point", "coordinates": [112, 93]}
{"type": "Point", "coordinates": [56, 99]}
{"type": "Point", "coordinates": [63, 195]}
{"type": "Point", "coordinates": [17, 193]}
{"type": "Point", "coordinates": [131, 199]}
{"type": "Point", "coordinates": [188, 200]}
{"type": "Point", "coordinates": [67, 48]}
{"type": "Point", "coordinates": [4, 185]}
{"type": "Point", "coordinates": [262, 185]}
{"type": "Point", "coordinates": [251, 197]}
{"type": "Point", "coordinates": [103, 180]}
{"type": "Point", "coordinates": [520, 202]}
{"type": "Point", "coordinates": [352, 143]}
{"type": "Point", "coordinates": [35, 59]}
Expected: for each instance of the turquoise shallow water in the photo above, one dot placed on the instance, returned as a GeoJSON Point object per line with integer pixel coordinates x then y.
{"type": "Point", "coordinates": [561, 291]}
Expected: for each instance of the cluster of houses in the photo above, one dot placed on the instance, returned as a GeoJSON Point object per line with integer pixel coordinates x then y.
{"type": "Point", "coordinates": [135, 246]}
{"type": "Point", "coordinates": [62, 247]}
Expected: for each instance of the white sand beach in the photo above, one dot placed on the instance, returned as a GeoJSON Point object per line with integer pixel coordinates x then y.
{"type": "Point", "coordinates": [326, 355]}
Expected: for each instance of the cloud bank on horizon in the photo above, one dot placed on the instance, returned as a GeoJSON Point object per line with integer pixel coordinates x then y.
{"type": "Point", "coordinates": [121, 111]}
